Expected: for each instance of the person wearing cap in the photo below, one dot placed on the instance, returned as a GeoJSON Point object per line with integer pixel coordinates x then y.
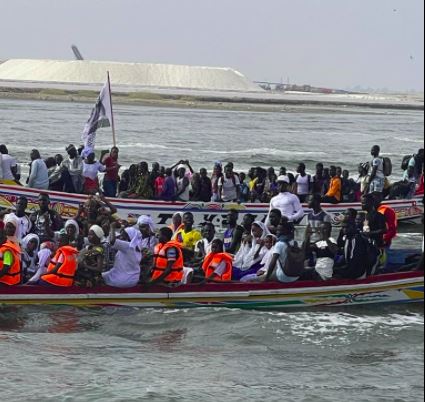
{"type": "Point", "coordinates": [73, 168]}
{"type": "Point", "coordinates": [288, 203]}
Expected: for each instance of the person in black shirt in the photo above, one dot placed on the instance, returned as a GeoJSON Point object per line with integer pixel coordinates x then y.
{"type": "Point", "coordinates": [375, 225]}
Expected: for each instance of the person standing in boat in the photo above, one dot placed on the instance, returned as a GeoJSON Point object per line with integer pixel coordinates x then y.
{"type": "Point", "coordinates": [72, 169]}
{"type": "Point", "coordinates": [229, 186]}
{"type": "Point", "coordinates": [317, 218]}
{"type": "Point", "coordinates": [288, 203]}
{"type": "Point", "coordinates": [205, 186]}
{"type": "Point", "coordinates": [9, 167]}
{"type": "Point", "coordinates": [45, 221]}
{"type": "Point", "coordinates": [303, 183]}
{"type": "Point", "coordinates": [169, 187]}
{"type": "Point", "coordinates": [377, 176]}
{"type": "Point", "coordinates": [91, 169]}
{"type": "Point", "coordinates": [39, 174]}
{"type": "Point", "coordinates": [112, 178]}
{"type": "Point", "coordinates": [183, 185]}
{"type": "Point", "coordinates": [319, 180]}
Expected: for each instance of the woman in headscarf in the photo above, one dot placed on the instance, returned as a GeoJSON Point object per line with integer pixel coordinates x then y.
{"type": "Point", "coordinates": [30, 247]}
{"type": "Point", "coordinates": [91, 261]}
{"type": "Point", "coordinates": [11, 225]}
{"type": "Point", "coordinates": [72, 229]}
{"type": "Point", "coordinates": [177, 222]}
{"type": "Point", "coordinates": [248, 259]}
{"type": "Point", "coordinates": [147, 230]}
{"type": "Point", "coordinates": [126, 270]}
{"type": "Point", "coordinates": [44, 257]}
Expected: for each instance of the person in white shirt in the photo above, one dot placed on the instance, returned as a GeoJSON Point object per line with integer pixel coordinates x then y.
{"type": "Point", "coordinates": [229, 186]}
{"type": "Point", "coordinates": [377, 177]}
{"type": "Point", "coordinates": [288, 203]}
{"type": "Point", "coordinates": [9, 167]}
{"type": "Point", "coordinates": [25, 224]}
{"type": "Point", "coordinates": [91, 169]}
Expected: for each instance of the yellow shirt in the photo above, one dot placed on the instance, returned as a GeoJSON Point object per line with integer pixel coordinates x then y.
{"type": "Point", "coordinates": [189, 239]}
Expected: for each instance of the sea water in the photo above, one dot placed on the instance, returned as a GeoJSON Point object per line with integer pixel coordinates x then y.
{"type": "Point", "coordinates": [124, 354]}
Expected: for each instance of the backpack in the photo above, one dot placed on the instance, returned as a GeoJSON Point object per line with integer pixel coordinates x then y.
{"type": "Point", "coordinates": [405, 163]}
{"type": "Point", "coordinates": [388, 167]}
{"type": "Point", "coordinates": [295, 261]}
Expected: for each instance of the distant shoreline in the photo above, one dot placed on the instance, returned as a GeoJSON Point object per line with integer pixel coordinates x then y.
{"type": "Point", "coordinates": [227, 101]}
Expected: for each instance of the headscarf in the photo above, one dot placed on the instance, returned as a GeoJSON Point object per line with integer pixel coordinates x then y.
{"type": "Point", "coordinates": [98, 231]}
{"type": "Point", "coordinates": [135, 237]}
{"type": "Point", "coordinates": [26, 240]}
{"type": "Point", "coordinates": [146, 220]}
{"type": "Point", "coordinates": [12, 218]}
{"type": "Point", "coordinates": [264, 227]}
{"type": "Point", "coordinates": [72, 222]}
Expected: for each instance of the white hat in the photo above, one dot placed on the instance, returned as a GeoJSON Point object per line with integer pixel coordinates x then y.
{"type": "Point", "coordinates": [283, 179]}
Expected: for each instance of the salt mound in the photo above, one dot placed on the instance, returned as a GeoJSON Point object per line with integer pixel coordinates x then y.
{"type": "Point", "coordinates": [126, 74]}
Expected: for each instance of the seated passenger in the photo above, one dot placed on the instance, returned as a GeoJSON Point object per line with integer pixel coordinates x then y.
{"type": "Point", "coordinates": [279, 269]}
{"type": "Point", "coordinates": [325, 251]}
{"type": "Point", "coordinates": [91, 261]}
{"type": "Point", "coordinates": [260, 276]}
{"type": "Point", "coordinates": [30, 248]}
{"type": "Point", "coordinates": [73, 231]}
{"type": "Point", "coordinates": [63, 266]}
{"type": "Point", "coordinates": [217, 265]}
{"type": "Point", "coordinates": [356, 260]}
{"type": "Point", "coordinates": [233, 234]}
{"type": "Point", "coordinates": [248, 259]}
{"type": "Point", "coordinates": [334, 194]}
{"type": "Point", "coordinates": [126, 270]}
{"type": "Point", "coordinates": [168, 260]}
{"type": "Point", "coordinates": [10, 257]}
{"type": "Point", "coordinates": [45, 221]}
{"type": "Point", "coordinates": [44, 257]}
{"type": "Point", "coordinates": [275, 217]}
{"type": "Point", "coordinates": [188, 236]}
{"type": "Point", "coordinates": [203, 247]}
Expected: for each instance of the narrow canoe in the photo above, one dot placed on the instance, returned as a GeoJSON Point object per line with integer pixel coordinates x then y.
{"type": "Point", "coordinates": [162, 212]}
{"type": "Point", "coordinates": [379, 290]}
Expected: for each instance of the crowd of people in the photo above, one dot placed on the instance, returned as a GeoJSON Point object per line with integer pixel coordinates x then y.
{"type": "Point", "coordinates": [75, 174]}
{"type": "Point", "coordinates": [98, 248]}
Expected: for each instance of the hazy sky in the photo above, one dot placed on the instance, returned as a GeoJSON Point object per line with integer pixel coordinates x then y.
{"type": "Point", "coordinates": [337, 43]}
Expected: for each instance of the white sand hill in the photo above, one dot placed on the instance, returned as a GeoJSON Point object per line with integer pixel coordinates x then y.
{"type": "Point", "coordinates": [126, 74]}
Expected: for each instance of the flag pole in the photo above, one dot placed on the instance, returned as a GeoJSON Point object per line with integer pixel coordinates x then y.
{"type": "Point", "coordinates": [114, 137]}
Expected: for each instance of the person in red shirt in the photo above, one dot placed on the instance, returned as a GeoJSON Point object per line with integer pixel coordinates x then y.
{"type": "Point", "coordinates": [391, 221]}
{"type": "Point", "coordinates": [112, 178]}
{"type": "Point", "coordinates": [159, 184]}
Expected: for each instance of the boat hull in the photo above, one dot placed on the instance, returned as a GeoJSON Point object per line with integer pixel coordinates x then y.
{"type": "Point", "coordinates": [67, 206]}
{"type": "Point", "coordinates": [379, 290]}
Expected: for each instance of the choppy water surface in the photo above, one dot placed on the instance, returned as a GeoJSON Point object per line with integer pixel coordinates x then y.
{"type": "Point", "coordinates": [212, 355]}
{"type": "Point", "coordinates": [360, 354]}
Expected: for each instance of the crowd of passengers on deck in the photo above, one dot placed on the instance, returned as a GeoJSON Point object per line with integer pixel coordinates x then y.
{"type": "Point", "coordinates": [97, 248]}
{"type": "Point", "coordinates": [81, 175]}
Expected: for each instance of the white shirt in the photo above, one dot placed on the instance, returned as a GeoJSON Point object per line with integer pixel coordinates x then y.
{"type": "Point", "coordinates": [44, 257]}
{"type": "Point", "coordinates": [303, 184]}
{"type": "Point", "coordinates": [380, 164]}
{"type": "Point", "coordinates": [229, 188]}
{"type": "Point", "coordinates": [24, 228]}
{"type": "Point", "coordinates": [126, 270]}
{"type": "Point", "coordinates": [92, 170]}
{"type": "Point", "coordinates": [206, 244]}
{"type": "Point", "coordinates": [7, 164]}
{"type": "Point", "coordinates": [289, 204]}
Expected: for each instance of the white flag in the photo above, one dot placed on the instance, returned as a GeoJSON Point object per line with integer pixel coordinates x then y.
{"type": "Point", "coordinates": [101, 116]}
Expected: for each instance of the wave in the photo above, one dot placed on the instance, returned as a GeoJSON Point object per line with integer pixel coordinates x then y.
{"type": "Point", "coordinates": [407, 139]}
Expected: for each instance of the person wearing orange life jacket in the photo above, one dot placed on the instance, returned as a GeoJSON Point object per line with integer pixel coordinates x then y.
{"type": "Point", "coordinates": [391, 221]}
{"type": "Point", "coordinates": [168, 260]}
{"type": "Point", "coordinates": [10, 258]}
{"type": "Point", "coordinates": [218, 265]}
{"type": "Point", "coordinates": [63, 267]}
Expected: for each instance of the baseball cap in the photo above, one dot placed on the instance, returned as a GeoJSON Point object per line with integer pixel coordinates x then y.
{"type": "Point", "coordinates": [283, 179]}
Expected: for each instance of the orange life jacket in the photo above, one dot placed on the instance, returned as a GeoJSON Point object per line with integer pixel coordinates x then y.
{"type": "Point", "coordinates": [161, 262]}
{"type": "Point", "coordinates": [211, 263]}
{"type": "Point", "coordinates": [14, 276]}
{"type": "Point", "coordinates": [64, 277]}
{"type": "Point", "coordinates": [392, 223]}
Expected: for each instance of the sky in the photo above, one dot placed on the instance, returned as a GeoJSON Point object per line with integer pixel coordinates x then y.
{"type": "Point", "coordinates": [332, 43]}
